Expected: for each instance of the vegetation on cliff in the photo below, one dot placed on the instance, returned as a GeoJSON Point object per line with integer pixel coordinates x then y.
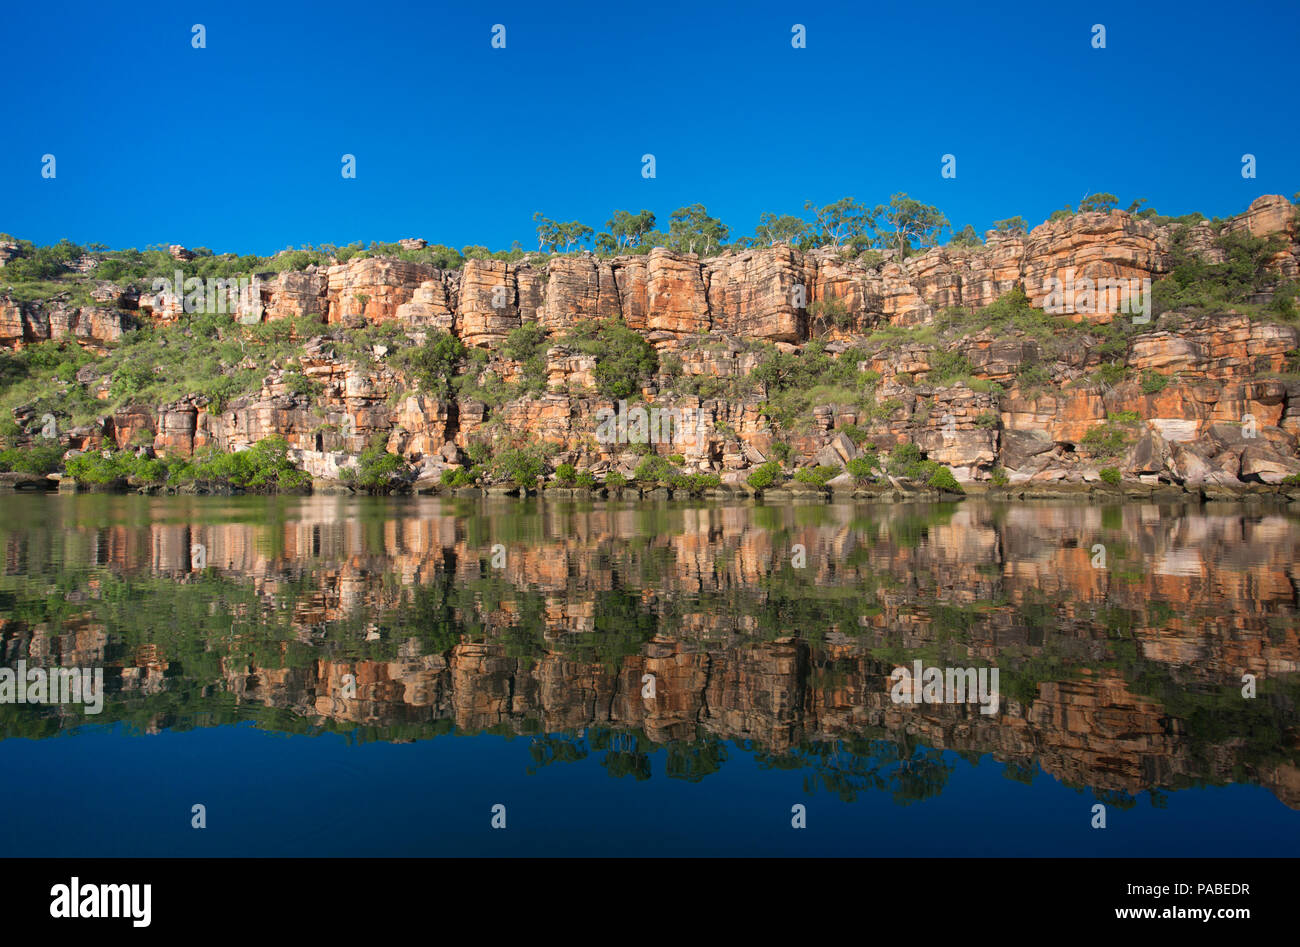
{"type": "Point", "coordinates": [950, 384]}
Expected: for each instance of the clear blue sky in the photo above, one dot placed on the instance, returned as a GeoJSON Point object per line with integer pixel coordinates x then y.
{"type": "Point", "coordinates": [237, 146]}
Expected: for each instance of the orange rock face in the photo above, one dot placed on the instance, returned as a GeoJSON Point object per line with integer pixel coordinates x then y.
{"type": "Point", "coordinates": [371, 290]}
{"type": "Point", "coordinates": [993, 397]}
{"type": "Point", "coordinates": [489, 302]}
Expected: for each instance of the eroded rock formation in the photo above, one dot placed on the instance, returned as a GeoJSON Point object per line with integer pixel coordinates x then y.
{"type": "Point", "coordinates": [1216, 373]}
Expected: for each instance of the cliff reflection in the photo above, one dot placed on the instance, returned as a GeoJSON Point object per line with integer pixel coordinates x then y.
{"type": "Point", "coordinates": [1122, 633]}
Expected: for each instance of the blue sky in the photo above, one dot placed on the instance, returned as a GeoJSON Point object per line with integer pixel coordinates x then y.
{"type": "Point", "coordinates": [238, 146]}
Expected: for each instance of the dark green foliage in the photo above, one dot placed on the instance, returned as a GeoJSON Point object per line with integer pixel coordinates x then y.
{"type": "Point", "coordinates": [263, 468]}
{"type": "Point", "coordinates": [1111, 373]}
{"type": "Point", "coordinates": [527, 344]}
{"type": "Point", "coordinates": [861, 468]}
{"type": "Point", "coordinates": [795, 381]}
{"type": "Point", "coordinates": [1105, 440]}
{"type": "Point", "coordinates": [941, 478]}
{"type": "Point", "coordinates": [765, 476]}
{"type": "Point", "coordinates": [1195, 284]}
{"type": "Point", "coordinates": [435, 364]}
{"type": "Point", "coordinates": [1098, 202]}
{"type": "Point", "coordinates": [460, 476]}
{"type": "Point", "coordinates": [905, 459]}
{"type": "Point", "coordinates": [624, 359]}
{"type": "Point", "coordinates": [299, 384]}
{"type": "Point", "coordinates": [1153, 382]}
{"type": "Point", "coordinates": [947, 365]}
{"type": "Point", "coordinates": [816, 476]}
{"type": "Point", "coordinates": [655, 469]}
{"type": "Point", "coordinates": [37, 459]}
{"type": "Point", "coordinates": [520, 466]}
{"type": "Point", "coordinates": [379, 471]}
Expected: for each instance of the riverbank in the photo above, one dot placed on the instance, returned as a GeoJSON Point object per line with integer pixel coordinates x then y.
{"type": "Point", "coordinates": [887, 492]}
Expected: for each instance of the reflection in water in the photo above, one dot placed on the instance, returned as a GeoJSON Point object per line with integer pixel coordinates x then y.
{"type": "Point", "coordinates": [1122, 633]}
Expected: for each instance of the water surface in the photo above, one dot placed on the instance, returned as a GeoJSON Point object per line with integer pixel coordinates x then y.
{"type": "Point", "coordinates": [342, 676]}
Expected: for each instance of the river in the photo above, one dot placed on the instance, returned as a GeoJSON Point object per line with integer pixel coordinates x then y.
{"type": "Point", "coordinates": [426, 676]}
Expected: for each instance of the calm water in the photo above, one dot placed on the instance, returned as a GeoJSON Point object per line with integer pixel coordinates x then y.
{"type": "Point", "coordinates": [337, 676]}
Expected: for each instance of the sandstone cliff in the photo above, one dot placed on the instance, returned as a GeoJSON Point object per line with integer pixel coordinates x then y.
{"type": "Point", "coordinates": [1203, 396]}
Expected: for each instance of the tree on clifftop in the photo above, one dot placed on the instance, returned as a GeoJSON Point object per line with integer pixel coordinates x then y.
{"type": "Point", "coordinates": [845, 221]}
{"type": "Point", "coordinates": [910, 221]}
{"type": "Point", "coordinates": [786, 229]}
{"type": "Point", "coordinates": [692, 230]}
{"type": "Point", "coordinates": [1098, 202]}
{"type": "Point", "coordinates": [558, 236]}
{"type": "Point", "coordinates": [548, 232]}
{"type": "Point", "coordinates": [628, 229]}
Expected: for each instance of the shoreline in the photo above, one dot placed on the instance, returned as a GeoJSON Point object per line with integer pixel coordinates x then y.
{"type": "Point", "coordinates": [1273, 494]}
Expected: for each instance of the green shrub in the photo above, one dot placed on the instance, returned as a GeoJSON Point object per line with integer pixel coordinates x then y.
{"type": "Point", "coordinates": [765, 476]}
{"type": "Point", "coordinates": [527, 345]}
{"type": "Point", "coordinates": [615, 480]}
{"type": "Point", "coordinates": [697, 483]}
{"type": "Point", "coordinates": [1111, 373]}
{"type": "Point", "coordinates": [817, 476]}
{"type": "Point", "coordinates": [1032, 376]}
{"type": "Point", "coordinates": [130, 380]}
{"type": "Point", "coordinates": [524, 342]}
{"type": "Point", "coordinates": [264, 467]}
{"type": "Point", "coordinates": [1153, 382]}
{"type": "Point", "coordinates": [520, 466]}
{"type": "Point", "coordinates": [379, 471]}
{"type": "Point", "coordinates": [860, 468]}
{"type": "Point", "coordinates": [1110, 475]}
{"type": "Point", "coordinates": [1193, 283]}
{"type": "Point", "coordinates": [460, 476]}
{"type": "Point", "coordinates": [566, 474]}
{"type": "Point", "coordinates": [624, 359]}
{"type": "Point", "coordinates": [299, 384]}
{"type": "Point", "coordinates": [999, 477]}
{"type": "Point", "coordinates": [585, 481]}
{"type": "Point", "coordinates": [435, 364]}
{"type": "Point", "coordinates": [655, 469]}
{"type": "Point", "coordinates": [95, 469]}
{"type": "Point", "coordinates": [37, 459]}
{"type": "Point", "coordinates": [987, 420]}
{"type": "Point", "coordinates": [904, 460]}
{"type": "Point", "coordinates": [946, 365]}
{"type": "Point", "coordinates": [943, 479]}
{"type": "Point", "coordinates": [1105, 440]}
